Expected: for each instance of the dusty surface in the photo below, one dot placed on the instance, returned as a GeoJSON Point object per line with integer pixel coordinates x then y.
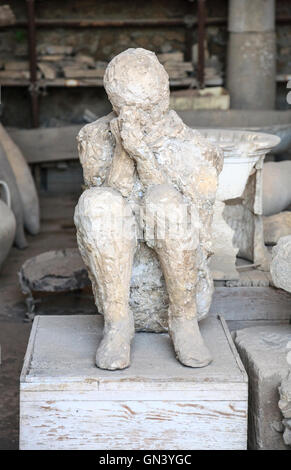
{"type": "Point", "coordinates": [153, 357]}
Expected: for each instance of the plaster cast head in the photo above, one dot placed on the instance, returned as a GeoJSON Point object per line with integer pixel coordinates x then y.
{"type": "Point", "coordinates": [136, 78]}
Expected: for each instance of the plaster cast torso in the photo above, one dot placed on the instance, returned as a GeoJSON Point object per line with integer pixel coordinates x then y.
{"type": "Point", "coordinates": [187, 161]}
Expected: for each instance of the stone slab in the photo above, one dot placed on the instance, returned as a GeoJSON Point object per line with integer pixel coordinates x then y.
{"type": "Point", "coordinates": [285, 404]}
{"type": "Point", "coordinates": [263, 350]}
{"type": "Point", "coordinates": [280, 267]}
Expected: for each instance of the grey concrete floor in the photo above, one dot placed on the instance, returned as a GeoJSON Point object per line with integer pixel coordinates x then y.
{"type": "Point", "coordinates": [57, 232]}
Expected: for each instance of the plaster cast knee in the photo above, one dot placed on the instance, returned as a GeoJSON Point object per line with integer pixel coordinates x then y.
{"type": "Point", "coordinates": [107, 251]}
{"type": "Point", "coordinates": [104, 212]}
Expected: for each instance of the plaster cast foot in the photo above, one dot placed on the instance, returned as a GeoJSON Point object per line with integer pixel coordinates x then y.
{"type": "Point", "coordinates": [114, 350]}
{"type": "Point", "coordinates": [188, 342]}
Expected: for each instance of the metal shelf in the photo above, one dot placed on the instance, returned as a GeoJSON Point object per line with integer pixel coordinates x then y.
{"type": "Point", "coordinates": [188, 22]}
{"type": "Point", "coordinates": [85, 82]}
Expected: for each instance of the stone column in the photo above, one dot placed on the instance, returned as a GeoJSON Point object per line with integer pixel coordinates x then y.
{"type": "Point", "coordinates": [251, 68]}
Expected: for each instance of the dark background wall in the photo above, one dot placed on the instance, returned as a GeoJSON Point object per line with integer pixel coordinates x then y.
{"type": "Point", "coordinates": [59, 105]}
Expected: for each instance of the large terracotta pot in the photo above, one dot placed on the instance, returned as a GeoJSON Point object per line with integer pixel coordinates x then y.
{"type": "Point", "coordinates": [8, 223]}
{"type": "Point", "coordinates": [24, 180]}
{"type": "Point", "coordinates": [7, 175]}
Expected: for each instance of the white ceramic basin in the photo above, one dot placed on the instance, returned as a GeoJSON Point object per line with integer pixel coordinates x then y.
{"type": "Point", "coordinates": [269, 121]}
{"type": "Point", "coordinates": [242, 150]}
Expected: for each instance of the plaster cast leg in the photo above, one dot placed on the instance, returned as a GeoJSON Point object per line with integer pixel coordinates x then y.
{"type": "Point", "coordinates": [176, 246]}
{"type": "Point", "coordinates": [106, 239]}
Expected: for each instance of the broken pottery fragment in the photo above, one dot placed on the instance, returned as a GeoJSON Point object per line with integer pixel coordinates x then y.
{"type": "Point", "coordinates": [25, 182]}
{"type": "Point", "coordinates": [151, 186]}
{"type": "Point", "coordinates": [8, 223]}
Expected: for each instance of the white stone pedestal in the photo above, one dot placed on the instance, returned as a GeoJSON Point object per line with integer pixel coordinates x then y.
{"type": "Point", "coordinates": [66, 402]}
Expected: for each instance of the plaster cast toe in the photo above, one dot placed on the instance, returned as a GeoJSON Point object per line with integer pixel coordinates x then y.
{"type": "Point", "coordinates": [114, 350]}
{"type": "Point", "coordinates": [111, 356]}
{"type": "Point", "coordinates": [188, 342]}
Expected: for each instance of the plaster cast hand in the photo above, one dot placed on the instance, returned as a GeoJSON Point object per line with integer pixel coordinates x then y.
{"type": "Point", "coordinates": [114, 128]}
{"type": "Point", "coordinates": [133, 142]}
{"type": "Point", "coordinates": [121, 174]}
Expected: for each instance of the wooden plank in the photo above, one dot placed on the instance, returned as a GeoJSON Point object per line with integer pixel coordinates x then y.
{"type": "Point", "coordinates": [133, 425]}
{"type": "Point", "coordinates": [233, 348]}
{"type": "Point", "coordinates": [52, 58]}
{"type": "Point", "coordinates": [48, 71]}
{"type": "Point", "coordinates": [47, 144]}
{"type": "Point", "coordinates": [153, 404]}
{"type": "Point", "coordinates": [29, 350]}
{"type": "Point", "coordinates": [73, 82]}
{"type": "Point", "coordinates": [14, 74]}
{"type": "Point", "coordinates": [74, 72]}
{"type": "Point", "coordinates": [171, 57]}
{"type": "Point", "coordinates": [17, 65]}
{"type": "Point", "coordinates": [254, 303]}
{"type": "Point", "coordinates": [73, 392]}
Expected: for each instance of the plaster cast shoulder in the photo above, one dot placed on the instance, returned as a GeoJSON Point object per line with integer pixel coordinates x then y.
{"type": "Point", "coordinates": [188, 160]}
{"type": "Point", "coordinates": [96, 147]}
{"type": "Point", "coordinates": [209, 152]}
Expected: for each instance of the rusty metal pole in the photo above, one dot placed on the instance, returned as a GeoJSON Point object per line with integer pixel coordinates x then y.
{"type": "Point", "coordinates": [190, 22]}
{"type": "Point", "coordinates": [201, 16]}
{"type": "Point", "coordinates": [33, 89]}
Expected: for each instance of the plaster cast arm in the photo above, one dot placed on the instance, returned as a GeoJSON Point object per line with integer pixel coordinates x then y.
{"type": "Point", "coordinates": [134, 144]}
{"type": "Point", "coordinates": [121, 174]}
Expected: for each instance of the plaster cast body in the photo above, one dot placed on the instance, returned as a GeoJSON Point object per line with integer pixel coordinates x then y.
{"type": "Point", "coordinates": [146, 171]}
